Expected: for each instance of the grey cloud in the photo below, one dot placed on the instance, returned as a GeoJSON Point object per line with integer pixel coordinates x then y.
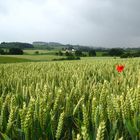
{"type": "Point", "coordinates": [3, 7]}
{"type": "Point", "coordinates": [111, 23]}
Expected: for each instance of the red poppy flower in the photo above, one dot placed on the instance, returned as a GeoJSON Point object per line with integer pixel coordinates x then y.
{"type": "Point", "coordinates": [120, 68]}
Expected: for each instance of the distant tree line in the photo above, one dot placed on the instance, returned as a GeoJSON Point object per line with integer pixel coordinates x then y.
{"type": "Point", "coordinates": [114, 52]}
{"type": "Point", "coordinates": [123, 53]}
{"type": "Point", "coordinates": [77, 53]}
{"type": "Point", "coordinates": [131, 54]}
{"type": "Point", "coordinates": [67, 58]}
{"type": "Point", "coordinates": [11, 51]}
{"type": "Point", "coordinates": [16, 45]}
{"type": "Point", "coordinates": [14, 48]}
{"type": "Point", "coordinates": [70, 50]}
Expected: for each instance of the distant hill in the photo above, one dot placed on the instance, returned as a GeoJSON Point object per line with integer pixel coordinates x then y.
{"type": "Point", "coordinates": [40, 43]}
{"type": "Point", "coordinates": [16, 45]}
{"type": "Point", "coordinates": [56, 45]}
{"type": "Point", "coordinates": [47, 43]}
{"type": "Point", "coordinates": [60, 46]}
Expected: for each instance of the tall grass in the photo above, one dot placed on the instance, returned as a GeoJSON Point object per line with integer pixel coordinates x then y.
{"type": "Point", "coordinates": [84, 100]}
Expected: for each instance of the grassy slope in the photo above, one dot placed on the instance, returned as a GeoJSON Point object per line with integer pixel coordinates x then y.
{"type": "Point", "coordinates": [7, 59]}
{"type": "Point", "coordinates": [46, 52]}
{"type": "Point", "coordinates": [25, 58]}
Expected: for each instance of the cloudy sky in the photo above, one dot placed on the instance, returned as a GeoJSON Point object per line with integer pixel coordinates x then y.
{"type": "Point", "coordinates": [107, 23]}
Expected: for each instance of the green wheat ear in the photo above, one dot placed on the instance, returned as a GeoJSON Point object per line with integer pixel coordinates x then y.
{"type": "Point", "coordinates": [2, 116]}
{"type": "Point", "coordinates": [60, 126]}
{"type": "Point", "coordinates": [120, 138]}
{"type": "Point", "coordinates": [101, 131]}
{"type": "Point", "coordinates": [78, 137]}
{"type": "Point", "coordinates": [11, 119]}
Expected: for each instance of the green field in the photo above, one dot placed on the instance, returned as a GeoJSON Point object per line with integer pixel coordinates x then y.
{"type": "Point", "coordinates": [41, 52]}
{"type": "Point", "coordinates": [9, 59]}
{"type": "Point", "coordinates": [71, 100]}
{"type": "Point", "coordinates": [43, 55]}
{"type": "Point", "coordinates": [25, 58]}
{"type": "Point", "coordinates": [39, 58]}
{"type": "Point", "coordinates": [52, 52]}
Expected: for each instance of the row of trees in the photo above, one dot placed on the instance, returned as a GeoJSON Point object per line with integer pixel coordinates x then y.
{"type": "Point", "coordinates": [16, 45]}
{"type": "Point", "coordinates": [123, 53]}
{"type": "Point", "coordinates": [128, 54]}
{"type": "Point", "coordinates": [109, 52]}
{"type": "Point", "coordinates": [11, 51]}
{"type": "Point", "coordinates": [78, 53]}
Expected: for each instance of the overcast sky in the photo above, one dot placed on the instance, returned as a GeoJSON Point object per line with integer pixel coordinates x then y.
{"type": "Point", "coordinates": [107, 23]}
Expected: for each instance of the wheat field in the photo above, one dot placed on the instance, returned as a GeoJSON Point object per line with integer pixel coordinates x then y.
{"type": "Point", "coordinates": [71, 100]}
